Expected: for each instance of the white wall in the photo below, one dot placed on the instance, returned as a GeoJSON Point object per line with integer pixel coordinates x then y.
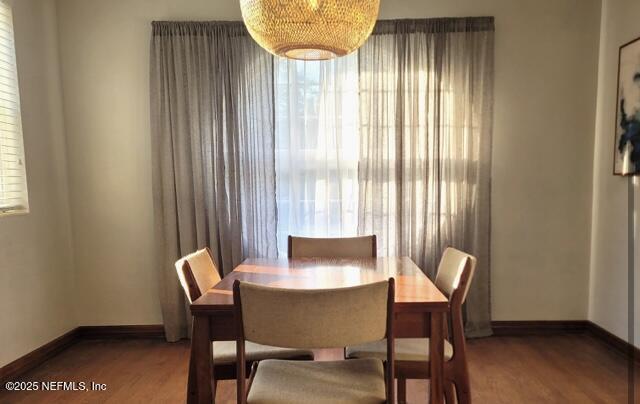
{"type": "Point", "coordinates": [36, 260]}
{"type": "Point", "coordinates": [546, 60]}
{"type": "Point", "coordinates": [608, 298]}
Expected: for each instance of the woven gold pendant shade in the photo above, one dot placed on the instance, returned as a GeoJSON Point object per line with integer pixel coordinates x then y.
{"type": "Point", "coordinates": [310, 29]}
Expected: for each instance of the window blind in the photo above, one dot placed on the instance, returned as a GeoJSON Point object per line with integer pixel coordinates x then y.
{"type": "Point", "coordinates": [13, 182]}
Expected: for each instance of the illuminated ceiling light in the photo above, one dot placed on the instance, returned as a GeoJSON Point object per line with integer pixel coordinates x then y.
{"type": "Point", "coordinates": [310, 29]}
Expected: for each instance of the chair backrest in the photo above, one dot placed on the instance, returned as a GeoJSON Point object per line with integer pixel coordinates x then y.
{"type": "Point", "coordinates": [343, 247]}
{"type": "Point", "coordinates": [455, 273]}
{"type": "Point", "coordinates": [197, 273]}
{"type": "Point", "coordinates": [320, 318]}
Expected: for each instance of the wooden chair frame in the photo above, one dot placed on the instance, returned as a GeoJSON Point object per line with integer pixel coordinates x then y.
{"type": "Point", "coordinates": [456, 371]}
{"type": "Point", "coordinates": [243, 388]}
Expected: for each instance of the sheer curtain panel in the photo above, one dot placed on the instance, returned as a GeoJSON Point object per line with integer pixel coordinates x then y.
{"type": "Point", "coordinates": [426, 96]}
{"type": "Point", "coordinates": [213, 151]}
{"type": "Point", "coordinates": [316, 148]}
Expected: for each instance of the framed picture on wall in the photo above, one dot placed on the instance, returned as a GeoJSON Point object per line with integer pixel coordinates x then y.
{"type": "Point", "coordinates": [626, 160]}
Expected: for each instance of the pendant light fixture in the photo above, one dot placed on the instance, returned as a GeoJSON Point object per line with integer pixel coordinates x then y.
{"type": "Point", "coordinates": [310, 29]}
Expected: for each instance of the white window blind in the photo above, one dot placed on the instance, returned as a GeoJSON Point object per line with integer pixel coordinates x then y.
{"type": "Point", "coordinates": [13, 181]}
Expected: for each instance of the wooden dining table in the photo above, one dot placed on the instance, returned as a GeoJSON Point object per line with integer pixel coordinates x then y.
{"type": "Point", "coordinates": [419, 309]}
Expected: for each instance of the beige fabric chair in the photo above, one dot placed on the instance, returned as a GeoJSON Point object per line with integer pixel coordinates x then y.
{"type": "Point", "coordinates": [197, 274]}
{"type": "Point", "coordinates": [455, 273]}
{"type": "Point", "coordinates": [345, 247]}
{"type": "Point", "coordinates": [315, 319]}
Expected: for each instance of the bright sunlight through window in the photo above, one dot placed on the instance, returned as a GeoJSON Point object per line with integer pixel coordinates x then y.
{"type": "Point", "coordinates": [317, 148]}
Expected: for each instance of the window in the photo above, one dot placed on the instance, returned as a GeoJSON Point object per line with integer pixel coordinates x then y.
{"type": "Point", "coordinates": [13, 181]}
{"type": "Point", "coordinates": [317, 146]}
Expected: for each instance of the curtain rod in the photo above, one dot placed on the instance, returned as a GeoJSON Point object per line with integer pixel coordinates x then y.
{"type": "Point", "coordinates": [385, 26]}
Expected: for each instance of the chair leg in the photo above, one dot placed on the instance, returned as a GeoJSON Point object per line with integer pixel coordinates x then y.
{"type": "Point", "coordinates": [448, 392]}
{"type": "Point", "coordinates": [402, 390]}
{"type": "Point", "coordinates": [463, 388]}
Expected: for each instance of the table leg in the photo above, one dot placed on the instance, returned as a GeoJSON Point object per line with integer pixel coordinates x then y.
{"type": "Point", "coordinates": [436, 359]}
{"type": "Point", "coordinates": [200, 364]}
{"type": "Point", "coordinates": [192, 383]}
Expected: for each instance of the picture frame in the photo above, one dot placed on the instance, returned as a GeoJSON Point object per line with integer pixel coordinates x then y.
{"type": "Point", "coordinates": [626, 150]}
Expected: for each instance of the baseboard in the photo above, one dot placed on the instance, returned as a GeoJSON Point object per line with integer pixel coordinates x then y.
{"type": "Point", "coordinates": [613, 341]}
{"type": "Point", "coordinates": [120, 331]}
{"type": "Point", "coordinates": [512, 328]}
{"type": "Point", "coordinates": [523, 328]}
{"type": "Point", "coordinates": [37, 356]}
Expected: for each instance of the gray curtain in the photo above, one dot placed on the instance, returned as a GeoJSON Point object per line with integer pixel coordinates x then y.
{"type": "Point", "coordinates": [213, 151]}
{"type": "Point", "coordinates": [426, 96]}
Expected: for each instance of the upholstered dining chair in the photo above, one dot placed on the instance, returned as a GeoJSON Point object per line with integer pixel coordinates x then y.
{"type": "Point", "coordinates": [342, 247]}
{"type": "Point", "coordinates": [197, 274]}
{"type": "Point", "coordinates": [315, 319]}
{"type": "Point", "coordinates": [454, 276]}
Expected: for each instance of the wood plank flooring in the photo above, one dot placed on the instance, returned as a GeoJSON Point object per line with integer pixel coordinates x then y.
{"type": "Point", "coordinates": [545, 369]}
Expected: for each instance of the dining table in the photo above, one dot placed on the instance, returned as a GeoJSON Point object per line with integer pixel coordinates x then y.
{"type": "Point", "coordinates": [419, 310]}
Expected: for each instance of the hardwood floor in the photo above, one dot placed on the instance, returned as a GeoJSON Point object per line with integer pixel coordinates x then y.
{"type": "Point", "coordinates": [544, 369]}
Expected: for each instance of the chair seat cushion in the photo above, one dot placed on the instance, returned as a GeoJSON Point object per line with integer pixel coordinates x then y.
{"type": "Point", "coordinates": [407, 349]}
{"type": "Point", "coordinates": [308, 382]}
{"type": "Point", "coordinates": [224, 352]}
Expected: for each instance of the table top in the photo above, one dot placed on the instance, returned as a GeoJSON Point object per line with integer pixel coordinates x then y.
{"type": "Point", "coordinates": [414, 291]}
